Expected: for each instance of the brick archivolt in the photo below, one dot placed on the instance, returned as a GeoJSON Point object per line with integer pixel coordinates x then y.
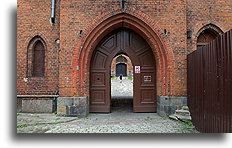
{"type": "Point", "coordinates": [138, 22]}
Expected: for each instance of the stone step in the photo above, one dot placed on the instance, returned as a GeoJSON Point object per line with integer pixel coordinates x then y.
{"type": "Point", "coordinates": [182, 112]}
{"type": "Point", "coordinates": [185, 108]}
{"type": "Point", "coordinates": [173, 117]}
{"type": "Point", "coordinates": [180, 117]}
{"type": "Point", "coordinates": [183, 118]}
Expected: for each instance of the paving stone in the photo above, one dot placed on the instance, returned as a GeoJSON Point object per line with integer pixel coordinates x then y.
{"type": "Point", "coordinates": [121, 89]}
{"type": "Point", "coordinates": [114, 122]}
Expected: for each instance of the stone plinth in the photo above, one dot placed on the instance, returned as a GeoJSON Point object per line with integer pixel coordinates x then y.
{"type": "Point", "coordinates": [36, 105]}
{"type": "Point", "coordinates": [166, 105]}
{"type": "Point", "coordinates": [73, 106]}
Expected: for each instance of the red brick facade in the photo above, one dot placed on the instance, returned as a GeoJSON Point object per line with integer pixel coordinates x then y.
{"type": "Point", "coordinates": [81, 24]}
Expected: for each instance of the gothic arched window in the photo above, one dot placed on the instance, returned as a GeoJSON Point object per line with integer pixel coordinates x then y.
{"type": "Point", "coordinates": [38, 62]}
{"type": "Point", "coordinates": [36, 57]}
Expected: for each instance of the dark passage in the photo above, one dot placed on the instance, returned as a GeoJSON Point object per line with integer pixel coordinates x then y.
{"type": "Point", "coordinates": [122, 104]}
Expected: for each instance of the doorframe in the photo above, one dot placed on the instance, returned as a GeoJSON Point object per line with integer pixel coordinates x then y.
{"type": "Point", "coordinates": [135, 21]}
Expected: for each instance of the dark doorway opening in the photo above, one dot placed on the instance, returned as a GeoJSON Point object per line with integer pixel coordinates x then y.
{"type": "Point", "coordinates": [121, 69]}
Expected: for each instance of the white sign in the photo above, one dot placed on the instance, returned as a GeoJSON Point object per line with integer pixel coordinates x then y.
{"type": "Point", "coordinates": [137, 69]}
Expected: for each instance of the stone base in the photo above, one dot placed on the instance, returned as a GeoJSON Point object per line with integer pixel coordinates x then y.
{"type": "Point", "coordinates": [19, 105]}
{"type": "Point", "coordinates": [166, 105]}
{"type": "Point", "coordinates": [73, 106]}
{"type": "Point", "coordinates": [35, 105]}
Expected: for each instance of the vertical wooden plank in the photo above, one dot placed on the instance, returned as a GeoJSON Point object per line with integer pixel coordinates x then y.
{"type": "Point", "coordinates": [227, 86]}
{"type": "Point", "coordinates": [217, 105]}
{"type": "Point", "coordinates": [211, 88]}
{"type": "Point", "coordinates": [214, 88]}
{"type": "Point", "coordinates": [220, 85]}
{"type": "Point", "coordinates": [201, 88]}
{"type": "Point", "coordinates": [208, 96]}
{"type": "Point", "coordinates": [204, 77]}
{"type": "Point", "coordinates": [196, 58]}
{"type": "Point", "coordinates": [223, 41]}
{"type": "Point", "coordinates": [230, 83]}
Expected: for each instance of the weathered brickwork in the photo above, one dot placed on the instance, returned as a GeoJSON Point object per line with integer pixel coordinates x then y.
{"type": "Point", "coordinates": [81, 24]}
{"type": "Point", "coordinates": [201, 13]}
{"type": "Point", "coordinates": [32, 23]}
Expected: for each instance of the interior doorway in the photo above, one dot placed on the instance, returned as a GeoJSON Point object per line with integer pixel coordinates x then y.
{"type": "Point", "coordinates": [121, 84]}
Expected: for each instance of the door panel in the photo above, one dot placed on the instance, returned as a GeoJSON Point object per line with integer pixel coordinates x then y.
{"type": "Point", "coordinates": [147, 96]}
{"type": "Point", "coordinates": [140, 53]}
{"type": "Point", "coordinates": [148, 79]}
{"type": "Point", "coordinates": [99, 96]}
{"type": "Point", "coordinates": [99, 60]}
{"type": "Point", "coordinates": [109, 44]}
{"type": "Point", "coordinates": [98, 79]}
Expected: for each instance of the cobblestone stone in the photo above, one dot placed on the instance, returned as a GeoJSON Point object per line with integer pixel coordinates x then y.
{"type": "Point", "coordinates": [125, 88]}
{"type": "Point", "coordinates": [100, 123]}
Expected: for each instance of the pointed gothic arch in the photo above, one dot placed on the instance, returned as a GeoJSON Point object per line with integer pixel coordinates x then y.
{"type": "Point", "coordinates": [36, 57]}
{"type": "Point", "coordinates": [139, 24]}
{"type": "Point", "coordinates": [207, 33]}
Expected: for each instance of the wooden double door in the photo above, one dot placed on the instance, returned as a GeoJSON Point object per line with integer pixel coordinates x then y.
{"type": "Point", "coordinates": [144, 83]}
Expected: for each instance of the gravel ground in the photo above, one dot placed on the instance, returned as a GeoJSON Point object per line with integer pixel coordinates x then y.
{"type": "Point", "coordinates": [116, 122]}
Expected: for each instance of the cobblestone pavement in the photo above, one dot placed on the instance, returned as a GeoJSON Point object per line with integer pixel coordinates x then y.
{"type": "Point", "coordinates": [120, 121]}
{"type": "Point", "coordinates": [125, 88]}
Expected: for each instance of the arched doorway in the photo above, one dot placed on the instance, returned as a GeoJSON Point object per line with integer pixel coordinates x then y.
{"type": "Point", "coordinates": [141, 55]}
{"type": "Point", "coordinates": [121, 69]}
{"type": "Point", "coordinates": [121, 59]}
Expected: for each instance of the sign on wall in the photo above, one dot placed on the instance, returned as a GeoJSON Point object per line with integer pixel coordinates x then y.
{"type": "Point", "coordinates": [137, 69]}
{"type": "Point", "coordinates": [147, 78]}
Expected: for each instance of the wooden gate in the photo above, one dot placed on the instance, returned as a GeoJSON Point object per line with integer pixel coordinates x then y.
{"type": "Point", "coordinates": [209, 85]}
{"type": "Point", "coordinates": [123, 41]}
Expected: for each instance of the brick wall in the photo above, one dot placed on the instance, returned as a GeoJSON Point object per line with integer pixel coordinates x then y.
{"type": "Point", "coordinates": [76, 19]}
{"type": "Point", "coordinates": [203, 12]}
{"type": "Point", "coordinates": [169, 16]}
{"type": "Point", "coordinates": [33, 20]}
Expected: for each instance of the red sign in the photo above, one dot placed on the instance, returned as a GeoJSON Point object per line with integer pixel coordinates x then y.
{"type": "Point", "coordinates": [137, 69]}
